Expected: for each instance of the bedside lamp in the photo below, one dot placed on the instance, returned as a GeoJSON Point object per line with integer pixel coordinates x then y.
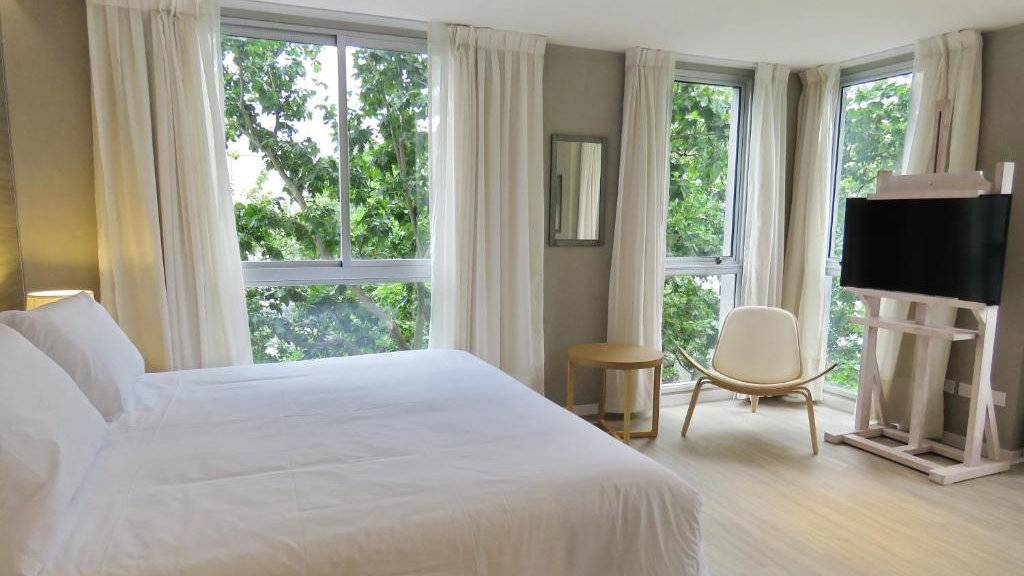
{"type": "Point", "coordinates": [43, 297]}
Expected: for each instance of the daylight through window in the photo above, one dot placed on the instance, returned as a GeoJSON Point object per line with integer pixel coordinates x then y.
{"type": "Point", "coordinates": [702, 265]}
{"type": "Point", "coordinates": [327, 159]}
{"type": "Point", "coordinates": [873, 123]}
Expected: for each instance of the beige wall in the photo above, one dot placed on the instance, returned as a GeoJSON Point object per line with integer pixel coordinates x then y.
{"type": "Point", "coordinates": [12, 288]}
{"type": "Point", "coordinates": [47, 69]}
{"type": "Point", "coordinates": [1001, 139]}
{"type": "Point", "coordinates": [582, 96]}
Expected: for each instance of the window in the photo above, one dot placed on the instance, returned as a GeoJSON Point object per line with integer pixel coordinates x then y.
{"type": "Point", "coordinates": [327, 157]}
{"type": "Point", "coordinates": [703, 264]}
{"type": "Point", "coordinates": [872, 125]}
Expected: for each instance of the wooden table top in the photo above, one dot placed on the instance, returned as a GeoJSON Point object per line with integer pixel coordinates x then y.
{"type": "Point", "coordinates": [615, 356]}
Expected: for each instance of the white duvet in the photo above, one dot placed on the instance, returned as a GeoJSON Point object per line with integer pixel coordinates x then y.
{"type": "Point", "coordinates": [396, 464]}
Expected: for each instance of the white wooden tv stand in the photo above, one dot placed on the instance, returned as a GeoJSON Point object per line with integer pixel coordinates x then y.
{"type": "Point", "coordinates": [981, 424]}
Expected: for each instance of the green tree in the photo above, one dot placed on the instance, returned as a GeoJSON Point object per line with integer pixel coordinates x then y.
{"type": "Point", "coordinates": [702, 117]}
{"type": "Point", "coordinates": [273, 91]}
{"type": "Point", "coordinates": [874, 127]}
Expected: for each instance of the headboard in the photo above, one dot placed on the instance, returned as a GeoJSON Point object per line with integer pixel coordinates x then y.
{"type": "Point", "coordinates": [12, 288]}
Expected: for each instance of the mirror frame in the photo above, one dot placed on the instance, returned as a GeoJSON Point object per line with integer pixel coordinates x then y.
{"type": "Point", "coordinates": [555, 191]}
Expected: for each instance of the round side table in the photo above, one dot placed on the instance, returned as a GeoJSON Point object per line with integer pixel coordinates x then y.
{"type": "Point", "coordinates": [623, 357]}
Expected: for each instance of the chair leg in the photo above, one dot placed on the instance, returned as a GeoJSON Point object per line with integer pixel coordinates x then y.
{"type": "Point", "coordinates": [753, 403]}
{"type": "Point", "coordinates": [693, 404]}
{"type": "Point", "coordinates": [810, 418]}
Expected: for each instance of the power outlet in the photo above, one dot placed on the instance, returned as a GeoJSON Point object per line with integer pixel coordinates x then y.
{"type": "Point", "coordinates": [963, 390]}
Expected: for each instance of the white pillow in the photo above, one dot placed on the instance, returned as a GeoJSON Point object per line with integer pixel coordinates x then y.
{"type": "Point", "coordinates": [80, 336]}
{"type": "Point", "coordinates": [49, 436]}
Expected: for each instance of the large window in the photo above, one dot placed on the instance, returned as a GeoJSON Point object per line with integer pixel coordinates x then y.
{"type": "Point", "coordinates": [702, 266]}
{"type": "Point", "coordinates": [872, 126]}
{"type": "Point", "coordinates": [327, 153]}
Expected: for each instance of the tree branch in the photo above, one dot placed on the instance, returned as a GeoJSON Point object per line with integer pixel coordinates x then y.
{"type": "Point", "coordinates": [290, 185]}
{"type": "Point", "coordinates": [381, 315]}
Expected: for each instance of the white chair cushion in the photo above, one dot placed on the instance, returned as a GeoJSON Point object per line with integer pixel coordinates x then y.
{"type": "Point", "coordinates": [81, 337]}
{"type": "Point", "coordinates": [49, 436]}
{"type": "Point", "coordinates": [759, 344]}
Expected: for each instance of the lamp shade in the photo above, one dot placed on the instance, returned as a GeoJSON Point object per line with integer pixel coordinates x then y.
{"type": "Point", "coordinates": [44, 297]}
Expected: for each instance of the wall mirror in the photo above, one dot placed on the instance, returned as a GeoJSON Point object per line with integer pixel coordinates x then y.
{"type": "Point", "coordinates": [576, 215]}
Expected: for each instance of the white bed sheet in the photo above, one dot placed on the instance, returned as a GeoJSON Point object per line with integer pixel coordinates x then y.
{"type": "Point", "coordinates": [423, 463]}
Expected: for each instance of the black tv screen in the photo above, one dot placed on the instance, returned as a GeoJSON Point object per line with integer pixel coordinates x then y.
{"type": "Point", "coordinates": [953, 247]}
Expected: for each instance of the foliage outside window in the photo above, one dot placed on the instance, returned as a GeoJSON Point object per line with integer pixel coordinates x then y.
{"type": "Point", "coordinates": [698, 287]}
{"type": "Point", "coordinates": [284, 120]}
{"type": "Point", "coordinates": [873, 127]}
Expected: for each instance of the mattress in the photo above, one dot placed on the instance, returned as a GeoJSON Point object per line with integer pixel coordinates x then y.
{"type": "Point", "coordinates": [427, 463]}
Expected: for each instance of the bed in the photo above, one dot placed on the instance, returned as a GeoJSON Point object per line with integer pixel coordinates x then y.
{"type": "Point", "coordinates": [426, 463]}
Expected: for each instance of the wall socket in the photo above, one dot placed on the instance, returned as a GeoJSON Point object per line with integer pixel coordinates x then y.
{"type": "Point", "coordinates": [963, 390]}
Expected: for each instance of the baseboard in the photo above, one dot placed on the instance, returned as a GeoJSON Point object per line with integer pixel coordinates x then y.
{"type": "Point", "coordinates": [585, 409]}
{"type": "Point", "coordinates": [679, 394]}
{"type": "Point", "coordinates": [959, 441]}
{"type": "Point", "coordinates": [840, 402]}
{"type": "Point", "coordinates": [672, 397]}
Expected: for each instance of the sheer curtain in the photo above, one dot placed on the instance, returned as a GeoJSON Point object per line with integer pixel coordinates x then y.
{"type": "Point", "coordinates": [487, 197]}
{"type": "Point", "coordinates": [766, 183]}
{"type": "Point", "coordinates": [636, 285]}
{"type": "Point", "coordinates": [942, 136]}
{"type": "Point", "coordinates": [804, 287]}
{"type": "Point", "coordinates": [588, 212]}
{"type": "Point", "coordinates": [170, 269]}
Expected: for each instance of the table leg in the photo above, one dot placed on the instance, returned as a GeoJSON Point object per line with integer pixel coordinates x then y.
{"type": "Point", "coordinates": [569, 400]}
{"type": "Point", "coordinates": [657, 399]}
{"type": "Point", "coordinates": [629, 377]}
{"type": "Point", "coordinates": [601, 394]}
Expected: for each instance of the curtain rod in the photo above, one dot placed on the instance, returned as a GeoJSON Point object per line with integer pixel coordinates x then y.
{"type": "Point", "coordinates": [711, 61]}
{"type": "Point", "coordinates": [906, 49]}
{"type": "Point", "coordinates": [323, 14]}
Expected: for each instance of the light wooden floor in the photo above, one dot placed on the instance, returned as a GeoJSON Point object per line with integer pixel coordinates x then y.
{"type": "Point", "coordinates": [770, 507]}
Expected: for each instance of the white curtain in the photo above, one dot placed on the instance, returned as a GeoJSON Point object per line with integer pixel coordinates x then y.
{"type": "Point", "coordinates": [635, 288]}
{"type": "Point", "coordinates": [766, 185]}
{"type": "Point", "coordinates": [804, 289]}
{"type": "Point", "coordinates": [942, 136]}
{"type": "Point", "coordinates": [487, 197]}
{"type": "Point", "coordinates": [170, 270]}
{"type": "Point", "coordinates": [588, 213]}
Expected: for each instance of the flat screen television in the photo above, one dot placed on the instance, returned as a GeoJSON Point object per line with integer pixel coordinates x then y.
{"type": "Point", "coordinates": [952, 247]}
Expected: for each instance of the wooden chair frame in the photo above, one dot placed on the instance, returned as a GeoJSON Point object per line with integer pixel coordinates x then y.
{"type": "Point", "coordinates": [754, 390]}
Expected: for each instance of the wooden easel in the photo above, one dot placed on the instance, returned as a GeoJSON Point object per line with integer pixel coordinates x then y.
{"type": "Point", "coordinates": [981, 423]}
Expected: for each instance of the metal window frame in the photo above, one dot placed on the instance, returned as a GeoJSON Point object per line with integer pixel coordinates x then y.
{"type": "Point", "coordinates": [349, 270]}
{"type": "Point", "coordinates": [863, 76]}
{"type": "Point", "coordinates": [833, 265]}
{"type": "Point", "coordinates": [730, 263]}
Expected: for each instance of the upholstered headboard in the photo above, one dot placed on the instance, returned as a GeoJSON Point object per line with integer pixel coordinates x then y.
{"type": "Point", "coordinates": [12, 288]}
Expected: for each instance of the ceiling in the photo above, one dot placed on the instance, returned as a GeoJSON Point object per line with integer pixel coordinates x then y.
{"type": "Point", "coordinates": [795, 32]}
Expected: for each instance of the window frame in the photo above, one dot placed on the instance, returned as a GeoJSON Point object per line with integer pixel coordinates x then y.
{"type": "Point", "coordinates": [870, 72]}
{"type": "Point", "coordinates": [735, 213]}
{"type": "Point", "coordinates": [348, 270]}
{"type": "Point", "coordinates": [833, 266]}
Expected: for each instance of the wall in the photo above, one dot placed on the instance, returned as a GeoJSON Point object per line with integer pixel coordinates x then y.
{"type": "Point", "coordinates": [1001, 139]}
{"type": "Point", "coordinates": [582, 96]}
{"type": "Point", "coordinates": [47, 68]}
{"type": "Point", "coordinates": [12, 287]}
